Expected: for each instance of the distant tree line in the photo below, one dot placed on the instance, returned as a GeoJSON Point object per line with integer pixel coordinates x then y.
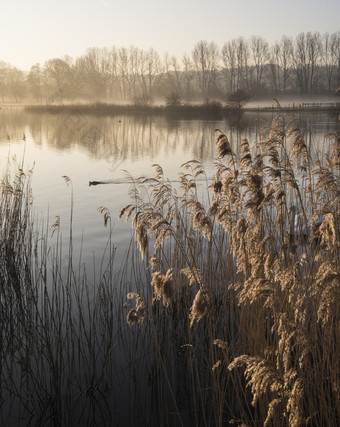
{"type": "Point", "coordinates": [307, 64]}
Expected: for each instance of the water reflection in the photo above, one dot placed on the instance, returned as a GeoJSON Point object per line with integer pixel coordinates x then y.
{"type": "Point", "coordinates": [132, 137]}
{"type": "Point", "coordinates": [89, 148]}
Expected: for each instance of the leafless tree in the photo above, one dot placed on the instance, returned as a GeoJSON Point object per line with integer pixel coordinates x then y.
{"type": "Point", "coordinates": [281, 57]}
{"type": "Point", "coordinates": [242, 57]}
{"type": "Point", "coordinates": [173, 73]}
{"type": "Point", "coordinates": [188, 70]}
{"type": "Point", "coordinates": [57, 78]}
{"type": "Point", "coordinates": [150, 73]}
{"type": "Point", "coordinates": [307, 54]}
{"type": "Point", "coordinates": [229, 59]}
{"type": "Point", "coordinates": [95, 67]}
{"type": "Point", "coordinates": [331, 58]}
{"type": "Point", "coordinates": [34, 80]}
{"type": "Point", "coordinates": [16, 83]}
{"type": "Point", "coordinates": [205, 58]}
{"type": "Point", "coordinates": [113, 75]}
{"type": "Point", "coordinates": [128, 71]}
{"type": "Point", "coordinates": [260, 56]}
{"type": "Point", "coordinates": [4, 67]}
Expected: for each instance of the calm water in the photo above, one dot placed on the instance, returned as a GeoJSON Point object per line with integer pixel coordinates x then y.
{"type": "Point", "coordinates": [87, 148]}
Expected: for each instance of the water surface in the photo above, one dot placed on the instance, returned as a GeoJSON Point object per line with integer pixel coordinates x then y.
{"type": "Point", "coordinates": [89, 148]}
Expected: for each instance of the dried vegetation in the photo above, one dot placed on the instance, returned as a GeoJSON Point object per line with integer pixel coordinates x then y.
{"type": "Point", "coordinates": [56, 324]}
{"type": "Point", "coordinates": [243, 283]}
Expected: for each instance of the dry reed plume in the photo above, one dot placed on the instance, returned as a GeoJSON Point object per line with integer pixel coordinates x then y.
{"type": "Point", "coordinates": [57, 329]}
{"type": "Point", "coordinates": [261, 254]}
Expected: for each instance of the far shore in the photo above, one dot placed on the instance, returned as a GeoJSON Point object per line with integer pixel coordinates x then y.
{"type": "Point", "coordinates": [210, 108]}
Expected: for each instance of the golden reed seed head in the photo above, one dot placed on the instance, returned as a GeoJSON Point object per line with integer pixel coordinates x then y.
{"type": "Point", "coordinates": [199, 307]}
{"type": "Point", "coordinates": [193, 274]}
{"type": "Point", "coordinates": [223, 145]}
{"type": "Point", "coordinates": [158, 170]}
{"type": "Point", "coordinates": [164, 286]}
{"type": "Point", "coordinates": [216, 366]}
{"type": "Point", "coordinates": [141, 238]}
{"type": "Point", "coordinates": [221, 344]}
{"type": "Point", "coordinates": [132, 317]}
{"type": "Point", "coordinates": [139, 313]}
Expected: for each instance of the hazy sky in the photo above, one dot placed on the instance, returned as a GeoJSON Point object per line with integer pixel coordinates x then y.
{"type": "Point", "coordinates": [33, 31]}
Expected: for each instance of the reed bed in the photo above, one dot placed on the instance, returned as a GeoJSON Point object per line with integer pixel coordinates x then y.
{"type": "Point", "coordinates": [58, 326]}
{"type": "Point", "coordinates": [236, 293]}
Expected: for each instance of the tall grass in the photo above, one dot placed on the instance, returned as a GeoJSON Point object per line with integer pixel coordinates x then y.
{"type": "Point", "coordinates": [238, 311]}
{"type": "Point", "coordinates": [59, 328]}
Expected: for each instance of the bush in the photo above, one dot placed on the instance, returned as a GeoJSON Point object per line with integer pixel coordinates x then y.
{"type": "Point", "coordinates": [173, 99]}
{"type": "Point", "coordinates": [238, 99]}
{"type": "Point", "coordinates": [144, 100]}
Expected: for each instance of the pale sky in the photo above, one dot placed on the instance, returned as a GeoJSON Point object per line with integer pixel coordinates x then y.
{"type": "Point", "coordinates": [34, 31]}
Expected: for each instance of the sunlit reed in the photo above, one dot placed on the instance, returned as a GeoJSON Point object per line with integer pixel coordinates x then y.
{"type": "Point", "coordinates": [252, 312]}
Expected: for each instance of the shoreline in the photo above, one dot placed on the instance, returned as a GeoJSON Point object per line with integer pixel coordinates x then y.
{"type": "Point", "coordinates": [212, 108]}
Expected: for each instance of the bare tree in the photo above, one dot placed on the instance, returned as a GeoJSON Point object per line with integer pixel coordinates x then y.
{"type": "Point", "coordinates": [4, 67]}
{"type": "Point", "coordinates": [58, 74]}
{"type": "Point", "coordinates": [306, 57]}
{"type": "Point", "coordinates": [150, 73]}
{"type": "Point", "coordinates": [275, 68]}
{"type": "Point", "coordinates": [301, 62]}
{"type": "Point", "coordinates": [188, 69]}
{"type": "Point", "coordinates": [16, 83]}
{"type": "Point", "coordinates": [260, 55]}
{"type": "Point", "coordinates": [314, 54]}
{"type": "Point", "coordinates": [205, 57]}
{"type": "Point", "coordinates": [113, 75]}
{"type": "Point", "coordinates": [95, 67]}
{"type": "Point", "coordinates": [229, 58]}
{"type": "Point", "coordinates": [242, 58]}
{"type": "Point", "coordinates": [173, 74]}
{"type": "Point", "coordinates": [154, 71]}
{"type": "Point", "coordinates": [281, 64]}
{"type": "Point", "coordinates": [128, 70]}
{"type": "Point", "coordinates": [34, 81]}
{"type": "Point", "coordinates": [331, 58]}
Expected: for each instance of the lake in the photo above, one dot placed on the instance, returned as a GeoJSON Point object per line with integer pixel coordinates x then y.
{"type": "Point", "coordinates": [88, 362]}
{"type": "Point", "coordinates": [88, 148]}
